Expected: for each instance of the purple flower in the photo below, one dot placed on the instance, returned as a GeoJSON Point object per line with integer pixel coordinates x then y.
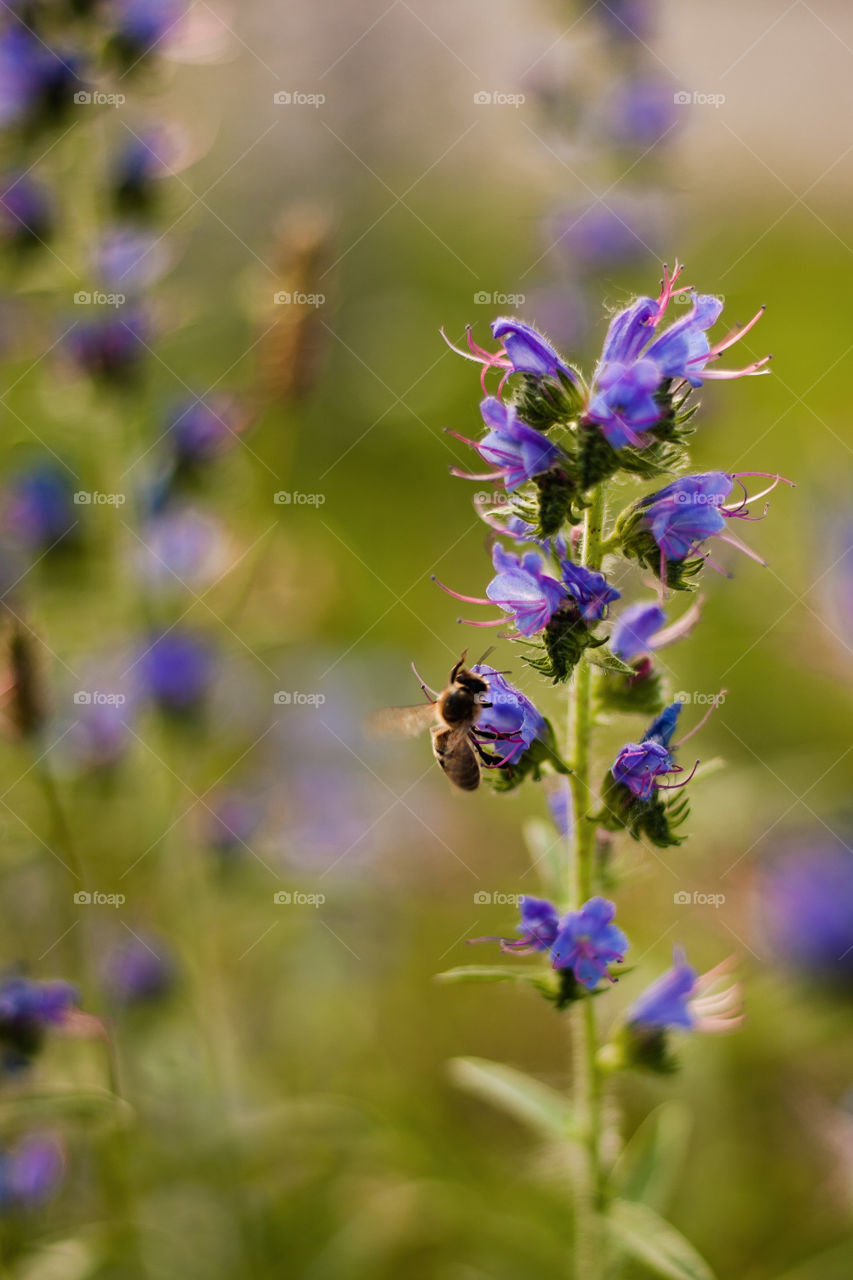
{"type": "Point", "coordinates": [138, 166]}
{"type": "Point", "coordinates": [139, 25]}
{"type": "Point", "coordinates": [181, 548]}
{"type": "Point", "coordinates": [37, 83]}
{"type": "Point", "coordinates": [520, 587]}
{"type": "Point", "coordinates": [636, 368]}
{"type": "Point", "coordinates": [516, 451]}
{"type": "Point", "coordinates": [588, 942]}
{"type": "Point", "coordinates": [100, 735]}
{"type": "Point", "coordinates": [677, 1000]}
{"type": "Point", "coordinates": [807, 909]}
{"type": "Point", "coordinates": [199, 430]}
{"type": "Point", "coordinates": [511, 715]}
{"type": "Point", "coordinates": [27, 1010]}
{"type": "Point", "coordinates": [589, 589]}
{"type": "Point", "coordinates": [176, 671]}
{"type": "Point", "coordinates": [130, 259]}
{"type": "Point", "coordinates": [231, 822]}
{"type": "Point", "coordinates": [640, 764]}
{"type": "Point", "coordinates": [528, 352]}
{"type": "Point", "coordinates": [640, 631]}
{"type": "Point", "coordinates": [31, 1170]}
{"type": "Point", "coordinates": [599, 236]}
{"type": "Point", "coordinates": [685, 513]}
{"type": "Point", "coordinates": [641, 111]}
{"type": "Point", "coordinates": [138, 971]}
{"type": "Point", "coordinates": [561, 807]}
{"type": "Point", "coordinates": [539, 925]}
{"type": "Point", "coordinates": [40, 511]}
{"type": "Point", "coordinates": [25, 210]}
{"type": "Point", "coordinates": [110, 347]}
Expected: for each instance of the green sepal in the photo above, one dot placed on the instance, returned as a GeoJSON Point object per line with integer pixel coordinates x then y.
{"type": "Point", "coordinates": [640, 690]}
{"type": "Point", "coordinates": [560, 502]}
{"type": "Point", "coordinates": [563, 643]}
{"type": "Point", "coordinates": [544, 402]}
{"type": "Point", "coordinates": [541, 753]}
{"type": "Point", "coordinates": [654, 819]}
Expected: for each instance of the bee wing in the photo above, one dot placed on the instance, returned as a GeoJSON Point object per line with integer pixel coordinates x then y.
{"type": "Point", "coordinates": [401, 722]}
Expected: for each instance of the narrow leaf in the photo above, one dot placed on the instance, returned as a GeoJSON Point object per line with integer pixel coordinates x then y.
{"type": "Point", "coordinates": [655, 1243]}
{"type": "Point", "coordinates": [651, 1164]}
{"type": "Point", "coordinates": [602, 657]}
{"type": "Point", "coordinates": [535, 1104]}
{"type": "Point", "coordinates": [491, 973]}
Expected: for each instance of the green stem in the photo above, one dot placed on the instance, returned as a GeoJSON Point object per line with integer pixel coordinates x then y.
{"type": "Point", "coordinates": [587, 1080]}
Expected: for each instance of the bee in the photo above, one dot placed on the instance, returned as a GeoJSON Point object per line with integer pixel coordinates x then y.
{"type": "Point", "coordinates": [452, 718]}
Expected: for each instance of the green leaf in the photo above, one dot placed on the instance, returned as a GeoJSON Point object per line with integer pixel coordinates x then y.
{"type": "Point", "coordinates": [655, 1243]}
{"type": "Point", "coordinates": [650, 1166]}
{"type": "Point", "coordinates": [535, 1104]}
{"type": "Point", "coordinates": [608, 661]}
{"type": "Point", "coordinates": [492, 973]}
{"type": "Point", "coordinates": [547, 849]}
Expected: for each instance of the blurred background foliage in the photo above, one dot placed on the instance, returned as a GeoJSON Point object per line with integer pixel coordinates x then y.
{"type": "Point", "coordinates": [285, 1104]}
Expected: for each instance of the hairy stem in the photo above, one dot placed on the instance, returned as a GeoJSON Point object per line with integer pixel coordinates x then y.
{"type": "Point", "coordinates": [587, 1082]}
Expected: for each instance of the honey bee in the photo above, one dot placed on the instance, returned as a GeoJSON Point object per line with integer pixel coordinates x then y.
{"type": "Point", "coordinates": [451, 717]}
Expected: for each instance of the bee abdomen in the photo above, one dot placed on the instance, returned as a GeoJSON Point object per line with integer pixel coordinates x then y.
{"type": "Point", "coordinates": [456, 757]}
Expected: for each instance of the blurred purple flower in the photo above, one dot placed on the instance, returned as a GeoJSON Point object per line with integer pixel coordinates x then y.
{"type": "Point", "coordinates": [129, 259]}
{"type": "Point", "coordinates": [110, 347]}
{"type": "Point", "coordinates": [640, 630]}
{"type": "Point", "coordinates": [37, 83]}
{"type": "Point", "coordinates": [39, 510]}
{"type": "Point", "coordinates": [807, 908]}
{"type": "Point", "coordinates": [199, 430]}
{"type": "Point", "coordinates": [26, 215]}
{"type": "Point", "coordinates": [181, 548]}
{"type": "Point", "coordinates": [677, 1000]}
{"type": "Point", "coordinates": [139, 165]}
{"type": "Point", "coordinates": [27, 1010]}
{"type": "Point", "coordinates": [176, 670]}
{"type": "Point", "coordinates": [31, 1170]}
{"type": "Point", "coordinates": [588, 942]}
{"type": "Point", "coordinates": [641, 111]}
{"type": "Point", "coordinates": [140, 25]}
{"type": "Point", "coordinates": [138, 970]}
{"type": "Point", "coordinates": [231, 820]}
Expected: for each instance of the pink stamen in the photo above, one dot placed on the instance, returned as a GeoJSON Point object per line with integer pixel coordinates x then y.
{"type": "Point", "coordinates": [726, 375]}
{"type": "Point", "coordinates": [457, 596]}
{"type": "Point", "coordinates": [741, 546]}
{"type": "Point", "coordinates": [676, 786]}
{"type": "Point", "coordinates": [470, 475]}
{"type": "Point", "coordinates": [736, 334]}
{"type": "Point", "coordinates": [667, 292]}
{"type": "Point", "coordinates": [704, 720]}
